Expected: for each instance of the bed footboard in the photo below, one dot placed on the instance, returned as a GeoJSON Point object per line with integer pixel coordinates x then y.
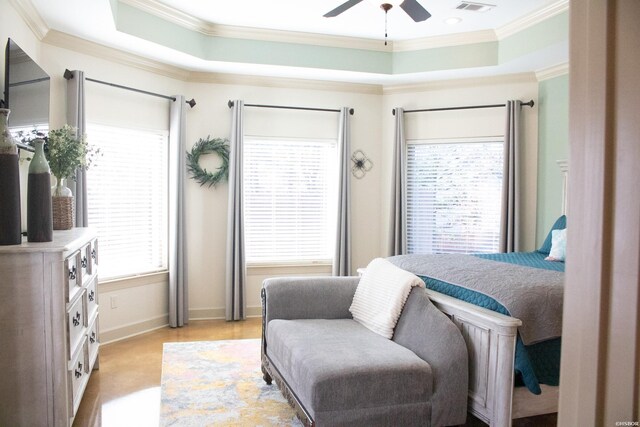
{"type": "Point", "coordinates": [491, 341]}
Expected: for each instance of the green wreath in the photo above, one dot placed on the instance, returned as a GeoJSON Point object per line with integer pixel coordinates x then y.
{"type": "Point", "coordinates": [208, 146]}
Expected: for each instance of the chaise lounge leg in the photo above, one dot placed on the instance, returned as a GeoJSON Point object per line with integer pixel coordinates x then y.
{"type": "Point", "coordinates": [265, 376]}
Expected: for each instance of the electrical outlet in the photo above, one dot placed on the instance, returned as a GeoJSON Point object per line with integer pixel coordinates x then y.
{"type": "Point", "coordinates": [114, 301]}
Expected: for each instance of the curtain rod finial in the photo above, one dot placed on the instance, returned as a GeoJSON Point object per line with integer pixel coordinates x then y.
{"type": "Point", "coordinates": [67, 74]}
{"type": "Point", "coordinates": [230, 103]}
{"type": "Point", "coordinates": [191, 102]}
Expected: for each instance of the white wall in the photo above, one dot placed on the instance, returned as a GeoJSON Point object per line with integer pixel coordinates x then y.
{"type": "Point", "coordinates": [207, 207]}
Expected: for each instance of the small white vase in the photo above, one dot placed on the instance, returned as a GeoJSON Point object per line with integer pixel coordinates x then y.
{"type": "Point", "coordinates": [61, 189]}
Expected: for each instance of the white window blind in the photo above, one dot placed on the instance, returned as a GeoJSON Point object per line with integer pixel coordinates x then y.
{"type": "Point", "coordinates": [454, 196]}
{"type": "Point", "coordinates": [289, 199]}
{"type": "Point", "coordinates": [128, 199]}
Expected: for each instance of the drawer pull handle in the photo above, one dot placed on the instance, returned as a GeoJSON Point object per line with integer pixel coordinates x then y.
{"type": "Point", "coordinates": [92, 338]}
{"type": "Point", "coordinates": [83, 262]}
{"type": "Point", "coordinates": [76, 319]}
{"type": "Point", "coordinates": [72, 273]}
{"type": "Point", "coordinates": [78, 372]}
{"type": "Point", "coordinates": [92, 296]}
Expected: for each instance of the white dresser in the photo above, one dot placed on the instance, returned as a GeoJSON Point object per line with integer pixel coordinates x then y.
{"type": "Point", "coordinates": [48, 327]}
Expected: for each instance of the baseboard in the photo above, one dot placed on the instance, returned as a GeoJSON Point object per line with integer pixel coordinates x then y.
{"type": "Point", "coordinates": [133, 329]}
{"type": "Point", "coordinates": [219, 313]}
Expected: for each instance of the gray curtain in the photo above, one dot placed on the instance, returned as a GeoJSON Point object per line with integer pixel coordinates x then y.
{"type": "Point", "coordinates": [76, 118]}
{"type": "Point", "coordinates": [236, 275]}
{"type": "Point", "coordinates": [178, 295]}
{"type": "Point", "coordinates": [398, 237]}
{"type": "Point", "coordinates": [342, 255]}
{"type": "Point", "coordinates": [509, 226]}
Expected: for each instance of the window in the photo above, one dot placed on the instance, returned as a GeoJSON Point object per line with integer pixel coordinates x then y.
{"type": "Point", "coordinates": [128, 199]}
{"type": "Point", "coordinates": [454, 193]}
{"type": "Point", "coordinates": [289, 199]}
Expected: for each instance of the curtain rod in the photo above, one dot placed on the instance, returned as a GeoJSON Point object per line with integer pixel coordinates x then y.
{"type": "Point", "coordinates": [25, 147]}
{"type": "Point", "coordinates": [469, 107]}
{"type": "Point", "coordinates": [351, 111]}
{"type": "Point", "coordinates": [69, 75]}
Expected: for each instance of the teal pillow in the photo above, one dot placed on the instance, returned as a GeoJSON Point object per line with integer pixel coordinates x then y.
{"type": "Point", "coordinates": [559, 225]}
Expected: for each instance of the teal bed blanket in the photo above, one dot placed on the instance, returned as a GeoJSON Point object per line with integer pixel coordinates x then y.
{"type": "Point", "coordinates": [535, 364]}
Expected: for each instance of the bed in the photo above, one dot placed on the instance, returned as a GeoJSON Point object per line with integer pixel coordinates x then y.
{"type": "Point", "coordinates": [495, 347]}
{"type": "Point", "coordinates": [498, 355]}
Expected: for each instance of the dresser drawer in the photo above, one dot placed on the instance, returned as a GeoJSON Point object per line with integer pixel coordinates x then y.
{"type": "Point", "coordinates": [78, 375]}
{"type": "Point", "coordinates": [76, 324]}
{"type": "Point", "coordinates": [93, 342]}
{"type": "Point", "coordinates": [72, 276]}
{"type": "Point", "coordinates": [91, 295]}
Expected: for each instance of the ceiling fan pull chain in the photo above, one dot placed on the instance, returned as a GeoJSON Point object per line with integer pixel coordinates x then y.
{"type": "Point", "coordinates": [385, 27]}
{"type": "Point", "coordinates": [385, 7]}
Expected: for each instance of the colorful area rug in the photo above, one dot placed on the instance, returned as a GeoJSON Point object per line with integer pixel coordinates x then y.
{"type": "Point", "coordinates": [219, 383]}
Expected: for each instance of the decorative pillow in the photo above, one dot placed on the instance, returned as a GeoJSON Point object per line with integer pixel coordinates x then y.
{"type": "Point", "coordinates": [380, 296]}
{"type": "Point", "coordinates": [558, 245]}
{"type": "Point", "coordinates": [558, 225]}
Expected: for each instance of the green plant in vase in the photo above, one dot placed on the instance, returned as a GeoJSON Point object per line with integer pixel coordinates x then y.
{"type": "Point", "coordinates": [66, 151]}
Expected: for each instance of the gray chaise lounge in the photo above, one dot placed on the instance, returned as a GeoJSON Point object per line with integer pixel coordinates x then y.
{"type": "Point", "coordinates": [336, 372]}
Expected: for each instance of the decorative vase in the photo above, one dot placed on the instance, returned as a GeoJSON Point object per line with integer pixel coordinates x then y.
{"type": "Point", "coordinates": [62, 202]}
{"type": "Point", "coordinates": [10, 227]}
{"type": "Point", "coordinates": [39, 213]}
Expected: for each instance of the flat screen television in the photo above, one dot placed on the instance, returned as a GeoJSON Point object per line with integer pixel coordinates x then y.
{"type": "Point", "coordinates": [26, 92]}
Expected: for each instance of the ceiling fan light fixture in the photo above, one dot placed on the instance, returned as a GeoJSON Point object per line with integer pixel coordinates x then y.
{"type": "Point", "coordinates": [452, 20]}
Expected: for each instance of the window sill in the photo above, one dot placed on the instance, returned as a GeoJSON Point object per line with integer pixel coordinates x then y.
{"type": "Point", "coordinates": [133, 281]}
{"type": "Point", "coordinates": [289, 268]}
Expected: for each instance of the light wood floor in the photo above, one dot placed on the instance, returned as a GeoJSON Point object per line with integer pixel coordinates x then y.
{"type": "Point", "coordinates": [125, 391]}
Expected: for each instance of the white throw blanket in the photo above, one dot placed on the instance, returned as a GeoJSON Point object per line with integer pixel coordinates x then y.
{"type": "Point", "coordinates": [380, 296]}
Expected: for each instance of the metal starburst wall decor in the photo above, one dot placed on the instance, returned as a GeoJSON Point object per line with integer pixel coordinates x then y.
{"type": "Point", "coordinates": [361, 164]}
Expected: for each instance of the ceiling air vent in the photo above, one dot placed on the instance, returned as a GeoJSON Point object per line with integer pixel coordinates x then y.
{"type": "Point", "coordinates": [475, 7]}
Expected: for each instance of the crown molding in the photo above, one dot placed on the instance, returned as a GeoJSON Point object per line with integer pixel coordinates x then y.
{"type": "Point", "coordinates": [552, 72]}
{"type": "Point", "coordinates": [76, 44]}
{"type": "Point", "coordinates": [281, 82]}
{"type": "Point", "coordinates": [459, 83]}
{"type": "Point", "coordinates": [67, 41]}
{"type": "Point", "coordinates": [532, 19]}
{"type": "Point", "coordinates": [446, 40]}
{"type": "Point", "coordinates": [31, 17]}
{"type": "Point", "coordinates": [190, 22]}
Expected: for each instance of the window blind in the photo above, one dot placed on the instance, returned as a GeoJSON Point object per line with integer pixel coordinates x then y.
{"type": "Point", "coordinates": [127, 190]}
{"type": "Point", "coordinates": [454, 196]}
{"type": "Point", "coordinates": [289, 199]}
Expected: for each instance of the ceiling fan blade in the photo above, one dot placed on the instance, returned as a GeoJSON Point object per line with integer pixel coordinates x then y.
{"type": "Point", "coordinates": [415, 10]}
{"type": "Point", "coordinates": [344, 6]}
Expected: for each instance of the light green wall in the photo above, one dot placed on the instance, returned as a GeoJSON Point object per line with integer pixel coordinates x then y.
{"type": "Point", "coordinates": [553, 145]}
{"type": "Point", "coordinates": [537, 37]}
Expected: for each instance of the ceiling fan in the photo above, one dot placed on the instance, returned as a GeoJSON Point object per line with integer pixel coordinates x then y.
{"type": "Point", "coordinates": [411, 7]}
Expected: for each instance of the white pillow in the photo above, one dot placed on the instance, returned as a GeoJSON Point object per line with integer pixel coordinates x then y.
{"type": "Point", "coordinates": [380, 296]}
{"type": "Point", "coordinates": [558, 245]}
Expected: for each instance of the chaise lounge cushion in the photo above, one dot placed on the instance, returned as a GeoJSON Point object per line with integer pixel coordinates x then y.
{"type": "Point", "coordinates": [342, 371]}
